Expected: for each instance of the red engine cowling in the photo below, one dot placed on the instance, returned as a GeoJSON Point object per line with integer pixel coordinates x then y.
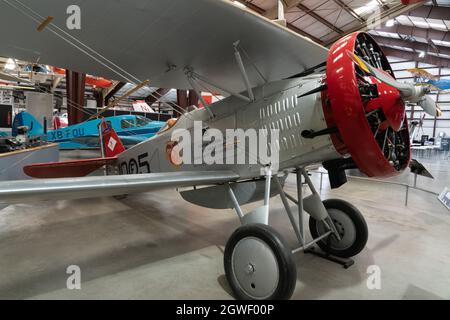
{"type": "Point", "coordinates": [369, 115]}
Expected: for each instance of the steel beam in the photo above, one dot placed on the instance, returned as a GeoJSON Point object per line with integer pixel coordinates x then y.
{"type": "Point", "coordinates": [386, 15]}
{"type": "Point", "coordinates": [290, 26]}
{"type": "Point", "coordinates": [193, 98]}
{"type": "Point", "coordinates": [303, 33]}
{"type": "Point", "coordinates": [319, 18]}
{"type": "Point", "coordinates": [437, 99]}
{"type": "Point", "coordinates": [349, 10]}
{"type": "Point", "coordinates": [431, 12]}
{"type": "Point", "coordinates": [182, 99]}
{"type": "Point", "coordinates": [417, 32]}
{"type": "Point", "coordinates": [156, 95]}
{"type": "Point", "coordinates": [442, 62]}
{"type": "Point", "coordinates": [113, 92]}
{"type": "Point", "coordinates": [417, 46]}
{"type": "Point", "coordinates": [99, 98]}
{"type": "Point", "coordinates": [75, 96]}
{"type": "Point", "coordinates": [272, 13]}
{"type": "Point", "coordinates": [383, 5]}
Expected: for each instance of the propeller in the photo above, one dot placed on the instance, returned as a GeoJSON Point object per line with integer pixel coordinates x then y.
{"type": "Point", "coordinates": [409, 92]}
{"type": "Point", "coordinates": [429, 106]}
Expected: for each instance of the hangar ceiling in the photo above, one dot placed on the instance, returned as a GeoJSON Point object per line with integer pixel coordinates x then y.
{"type": "Point", "coordinates": [408, 31]}
{"type": "Point", "coordinates": [417, 33]}
{"type": "Point", "coordinates": [416, 36]}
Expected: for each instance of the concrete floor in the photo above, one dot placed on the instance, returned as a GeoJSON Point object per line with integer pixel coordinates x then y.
{"type": "Point", "coordinates": [156, 246]}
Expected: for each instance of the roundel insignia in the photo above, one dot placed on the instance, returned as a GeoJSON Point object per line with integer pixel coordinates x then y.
{"type": "Point", "coordinates": [173, 157]}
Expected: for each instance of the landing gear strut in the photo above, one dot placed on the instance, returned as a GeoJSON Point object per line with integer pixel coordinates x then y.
{"type": "Point", "coordinates": [258, 263]}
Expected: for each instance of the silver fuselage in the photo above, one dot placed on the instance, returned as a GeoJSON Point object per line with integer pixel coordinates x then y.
{"type": "Point", "coordinates": [276, 106]}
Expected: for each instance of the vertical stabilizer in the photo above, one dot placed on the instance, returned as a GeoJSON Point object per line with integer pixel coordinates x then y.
{"type": "Point", "coordinates": [112, 146]}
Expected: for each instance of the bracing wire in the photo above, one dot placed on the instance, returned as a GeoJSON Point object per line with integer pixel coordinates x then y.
{"type": "Point", "coordinates": [128, 76]}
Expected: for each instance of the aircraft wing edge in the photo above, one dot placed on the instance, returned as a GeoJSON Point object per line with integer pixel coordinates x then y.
{"type": "Point", "coordinates": [102, 186]}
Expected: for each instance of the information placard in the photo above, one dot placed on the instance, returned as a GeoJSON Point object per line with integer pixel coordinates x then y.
{"type": "Point", "coordinates": [445, 198]}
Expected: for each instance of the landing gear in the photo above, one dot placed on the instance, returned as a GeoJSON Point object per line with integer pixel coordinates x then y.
{"type": "Point", "coordinates": [259, 265]}
{"type": "Point", "coordinates": [350, 225]}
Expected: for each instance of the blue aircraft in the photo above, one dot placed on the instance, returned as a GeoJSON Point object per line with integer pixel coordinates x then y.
{"type": "Point", "coordinates": [429, 79]}
{"type": "Point", "coordinates": [440, 84]}
{"type": "Point", "coordinates": [131, 129]}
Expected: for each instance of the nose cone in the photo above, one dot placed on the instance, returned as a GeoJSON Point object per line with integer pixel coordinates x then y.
{"type": "Point", "coordinates": [391, 103]}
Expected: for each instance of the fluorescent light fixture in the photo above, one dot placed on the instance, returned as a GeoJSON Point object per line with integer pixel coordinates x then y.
{"type": "Point", "coordinates": [441, 43]}
{"type": "Point", "coordinates": [10, 64]}
{"type": "Point", "coordinates": [367, 8]}
{"type": "Point", "coordinates": [421, 24]}
{"type": "Point", "coordinates": [438, 25]}
{"type": "Point", "coordinates": [425, 24]}
{"type": "Point", "coordinates": [390, 23]}
{"type": "Point", "coordinates": [239, 4]}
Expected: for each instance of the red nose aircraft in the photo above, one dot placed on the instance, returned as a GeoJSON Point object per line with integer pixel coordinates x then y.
{"type": "Point", "coordinates": [340, 107]}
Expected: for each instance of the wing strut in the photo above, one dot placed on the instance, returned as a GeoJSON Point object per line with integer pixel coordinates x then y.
{"type": "Point", "coordinates": [240, 63]}
{"type": "Point", "coordinates": [196, 76]}
{"type": "Point", "coordinates": [191, 76]}
{"type": "Point", "coordinates": [199, 94]}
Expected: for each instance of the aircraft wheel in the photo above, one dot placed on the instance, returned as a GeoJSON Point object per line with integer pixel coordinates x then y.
{"type": "Point", "coordinates": [259, 265]}
{"type": "Point", "coordinates": [349, 223]}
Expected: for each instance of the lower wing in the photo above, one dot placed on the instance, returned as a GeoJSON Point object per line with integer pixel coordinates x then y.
{"type": "Point", "coordinates": [67, 169]}
{"type": "Point", "coordinates": [93, 187]}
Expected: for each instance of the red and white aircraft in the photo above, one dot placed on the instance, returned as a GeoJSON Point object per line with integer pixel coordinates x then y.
{"type": "Point", "coordinates": [340, 107]}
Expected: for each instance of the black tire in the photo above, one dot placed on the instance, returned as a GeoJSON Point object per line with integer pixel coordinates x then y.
{"type": "Point", "coordinates": [330, 244]}
{"type": "Point", "coordinates": [287, 270]}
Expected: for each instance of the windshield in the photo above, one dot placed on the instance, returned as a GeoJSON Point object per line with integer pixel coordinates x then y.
{"type": "Point", "coordinates": [127, 123]}
{"type": "Point", "coordinates": [142, 122]}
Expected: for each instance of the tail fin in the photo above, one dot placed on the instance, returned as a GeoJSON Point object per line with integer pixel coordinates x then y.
{"type": "Point", "coordinates": [25, 119]}
{"type": "Point", "coordinates": [112, 146]}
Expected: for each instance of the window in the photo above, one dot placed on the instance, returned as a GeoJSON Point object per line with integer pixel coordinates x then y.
{"type": "Point", "coordinates": [127, 123]}
{"type": "Point", "coordinates": [142, 122]}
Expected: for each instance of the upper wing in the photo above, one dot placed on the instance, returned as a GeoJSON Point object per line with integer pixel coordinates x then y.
{"type": "Point", "coordinates": [135, 40]}
{"type": "Point", "coordinates": [92, 187]}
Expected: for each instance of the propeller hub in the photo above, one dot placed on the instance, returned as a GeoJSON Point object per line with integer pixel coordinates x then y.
{"type": "Point", "coordinates": [391, 103]}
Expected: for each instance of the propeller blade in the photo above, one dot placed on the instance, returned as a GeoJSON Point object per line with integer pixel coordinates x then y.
{"type": "Point", "coordinates": [429, 106]}
{"type": "Point", "coordinates": [407, 90]}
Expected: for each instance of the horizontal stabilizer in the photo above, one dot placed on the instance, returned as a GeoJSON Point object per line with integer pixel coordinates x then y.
{"type": "Point", "coordinates": [93, 187]}
{"type": "Point", "coordinates": [67, 169]}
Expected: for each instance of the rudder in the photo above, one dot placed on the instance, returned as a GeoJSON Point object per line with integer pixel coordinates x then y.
{"type": "Point", "coordinates": [112, 145]}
